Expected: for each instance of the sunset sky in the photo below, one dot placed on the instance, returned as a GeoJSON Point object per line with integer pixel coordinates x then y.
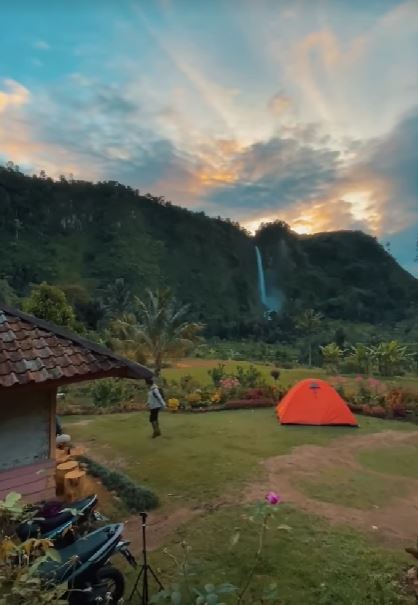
{"type": "Point", "coordinates": [306, 111]}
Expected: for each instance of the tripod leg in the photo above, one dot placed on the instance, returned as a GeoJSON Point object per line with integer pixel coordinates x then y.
{"type": "Point", "coordinates": [135, 588]}
{"type": "Point", "coordinates": [154, 575]}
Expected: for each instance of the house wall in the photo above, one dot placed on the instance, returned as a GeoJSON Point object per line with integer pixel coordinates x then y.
{"type": "Point", "coordinates": [27, 443]}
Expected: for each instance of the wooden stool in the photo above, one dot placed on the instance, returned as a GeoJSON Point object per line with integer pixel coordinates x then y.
{"type": "Point", "coordinates": [74, 485]}
{"type": "Point", "coordinates": [61, 471]}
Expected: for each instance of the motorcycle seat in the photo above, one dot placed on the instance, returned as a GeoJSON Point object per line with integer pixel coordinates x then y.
{"type": "Point", "coordinates": [84, 550]}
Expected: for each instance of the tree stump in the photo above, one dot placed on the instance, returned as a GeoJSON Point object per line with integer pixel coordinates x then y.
{"type": "Point", "coordinates": [74, 485]}
{"type": "Point", "coordinates": [62, 470]}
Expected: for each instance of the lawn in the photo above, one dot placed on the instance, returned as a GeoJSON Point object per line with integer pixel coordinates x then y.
{"type": "Point", "coordinates": [200, 455]}
{"type": "Point", "coordinates": [198, 369]}
{"type": "Point", "coordinates": [208, 461]}
{"type": "Point", "coordinates": [354, 488]}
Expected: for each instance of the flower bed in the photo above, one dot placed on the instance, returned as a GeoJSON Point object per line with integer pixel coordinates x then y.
{"type": "Point", "coordinates": [240, 404]}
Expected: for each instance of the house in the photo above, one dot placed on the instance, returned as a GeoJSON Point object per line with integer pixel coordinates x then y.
{"type": "Point", "coordinates": [37, 357]}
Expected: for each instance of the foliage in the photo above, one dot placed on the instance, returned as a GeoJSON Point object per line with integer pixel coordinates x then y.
{"type": "Point", "coordinates": [162, 328]}
{"type": "Point", "coordinates": [50, 303]}
{"type": "Point", "coordinates": [7, 294]}
{"type": "Point", "coordinates": [249, 377]}
{"type": "Point", "coordinates": [187, 593]}
{"type": "Point", "coordinates": [123, 337]}
{"type": "Point", "coordinates": [331, 355]}
{"type": "Point", "coordinates": [137, 498]}
{"type": "Point", "coordinates": [309, 323]}
{"type": "Point", "coordinates": [108, 392]}
{"type": "Point", "coordinates": [19, 561]}
{"type": "Point", "coordinates": [391, 357]}
{"type": "Point", "coordinates": [275, 374]}
{"type": "Point", "coordinates": [360, 358]}
{"type": "Point", "coordinates": [117, 298]}
{"type": "Point", "coordinates": [76, 232]}
{"type": "Point", "coordinates": [217, 374]}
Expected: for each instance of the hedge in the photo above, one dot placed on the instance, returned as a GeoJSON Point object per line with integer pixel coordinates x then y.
{"type": "Point", "coordinates": [137, 498]}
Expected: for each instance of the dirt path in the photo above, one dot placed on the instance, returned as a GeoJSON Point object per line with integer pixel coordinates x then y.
{"type": "Point", "coordinates": [396, 522]}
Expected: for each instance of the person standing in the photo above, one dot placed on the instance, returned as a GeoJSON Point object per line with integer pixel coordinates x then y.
{"type": "Point", "coordinates": [155, 404]}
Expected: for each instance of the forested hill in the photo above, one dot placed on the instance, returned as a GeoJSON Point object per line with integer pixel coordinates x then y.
{"type": "Point", "coordinates": [85, 236]}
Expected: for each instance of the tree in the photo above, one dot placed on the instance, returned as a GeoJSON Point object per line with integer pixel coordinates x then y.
{"type": "Point", "coordinates": [117, 298]}
{"type": "Point", "coordinates": [361, 358]}
{"type": "Point", "coordinates": [124, 337]}
{"type": "Point", "coordinates": [50, 303]}
{"type": "Point", "coordinates": [391, 357]}
{"type": "Point", "coordinates": [7, 294]}
{"type": "Point", "coordinates": [161, 329]}
{"type": "Point", "coordinates": [309, 322]}
{"type": "Point", "coordinates": [331, 355]}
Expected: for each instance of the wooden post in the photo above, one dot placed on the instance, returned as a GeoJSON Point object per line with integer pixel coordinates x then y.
{"type": "Point", "coordinates": [52, 423]}
{"type": "Point", "coordinates": [74, 485]}
{"type": "Point", "coordinates": [62, 470]}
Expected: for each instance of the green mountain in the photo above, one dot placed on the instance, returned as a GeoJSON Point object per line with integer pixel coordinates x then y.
{"type": "Point", "coordinates": [85, 236]}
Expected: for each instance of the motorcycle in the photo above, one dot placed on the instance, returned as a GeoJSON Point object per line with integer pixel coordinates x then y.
{"type": "Point", "coordinates": [61, 522]}
{"type": "Point", "coordinates": [85, 567]}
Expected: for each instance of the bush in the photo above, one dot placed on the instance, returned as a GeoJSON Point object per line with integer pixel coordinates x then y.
{"type": "Point", "coordinates": [137, 498]}
{"type": "Point", "coordinates": [217, 374]}
{"type": "Point", "coordinates": [109, 391]}
{"type": "Point", "coordinates": [249, 377]}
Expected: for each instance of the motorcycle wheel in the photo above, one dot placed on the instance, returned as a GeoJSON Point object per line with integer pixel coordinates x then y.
{"type": "Point", "coordinates": [114, 582]}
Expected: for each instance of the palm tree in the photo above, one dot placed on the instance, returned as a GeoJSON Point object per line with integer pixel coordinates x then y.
{"type": "Point", "coordinates": [123, 337]}
{"type": "Point", "coordinates": [158, 328]}
{"type": "Point", "coordinates": [331, 355]}
{"type": "Point", "coordinates": [309, 322]}
{"type": "Point", "coordinates": [117, 298]}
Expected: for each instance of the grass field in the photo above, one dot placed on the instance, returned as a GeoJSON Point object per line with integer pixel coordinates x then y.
{"type": "Point", "coordinates": [212, 462]}
{"type": "Point", "coordinates": [198, 369]}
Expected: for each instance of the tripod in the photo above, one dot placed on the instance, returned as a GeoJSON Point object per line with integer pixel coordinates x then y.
{"type": "Point", "coordinates": [145, 569]}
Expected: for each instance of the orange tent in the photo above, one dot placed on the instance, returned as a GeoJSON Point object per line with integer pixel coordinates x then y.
{"type": "Point", "coordinates": [316, 402]}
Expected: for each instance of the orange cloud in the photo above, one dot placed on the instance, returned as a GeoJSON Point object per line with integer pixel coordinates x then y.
{"type": "Point", "coordinates": [15, 95]}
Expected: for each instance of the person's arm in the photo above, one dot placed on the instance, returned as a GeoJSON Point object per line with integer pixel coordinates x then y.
{"type": "Point", "coordinates": [158, 395]}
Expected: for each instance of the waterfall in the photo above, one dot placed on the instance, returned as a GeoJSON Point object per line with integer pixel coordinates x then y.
{"type": "Point", "coordinates": [271, 296]}
{"type": "Point", "coordinates": [261, 278]}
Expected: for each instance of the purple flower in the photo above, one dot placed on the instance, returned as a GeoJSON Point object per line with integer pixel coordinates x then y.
{"type": "Point", "coordinates": [273, 498]}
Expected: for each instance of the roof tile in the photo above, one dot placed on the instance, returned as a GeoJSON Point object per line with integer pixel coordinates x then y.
{"type": "Point", "coordinates": [34, 351]}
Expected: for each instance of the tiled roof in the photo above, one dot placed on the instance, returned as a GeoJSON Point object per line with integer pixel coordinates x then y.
{"type": "Point", "coordinates": [33, 351]}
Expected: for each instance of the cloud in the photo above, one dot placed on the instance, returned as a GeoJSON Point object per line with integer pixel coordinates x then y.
{"type": "Point", "coordinates": [378, 192]}
{"type": "Point", "coordinates": [41, 45]}
{"type": "Point", "coordinates": [276, 173]}
{"type": "Point", "coordinates": [279, 103]}
{"type": "Point", "coordinates": [13, 95]}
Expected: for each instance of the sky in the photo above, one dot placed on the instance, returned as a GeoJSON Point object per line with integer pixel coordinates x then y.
{"type": "Point", "coordinates": [255, 110]}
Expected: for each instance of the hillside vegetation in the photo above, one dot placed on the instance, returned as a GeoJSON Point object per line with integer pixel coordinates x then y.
{"type": "Point", "coordinates": [84, 236]}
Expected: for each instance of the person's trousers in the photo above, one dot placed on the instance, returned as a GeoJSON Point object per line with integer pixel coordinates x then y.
{"type": "Point", "coordinates": [153, 415]}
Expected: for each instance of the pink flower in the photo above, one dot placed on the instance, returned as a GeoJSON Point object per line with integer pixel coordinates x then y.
{"type": "Point", "coordinates": [359, 378]}
{"type": "Point", "coordinates": [273, 498]}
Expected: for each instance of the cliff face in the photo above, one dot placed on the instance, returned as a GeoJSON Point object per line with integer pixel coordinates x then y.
{"type": "Point", "coordinates": [89, 235]}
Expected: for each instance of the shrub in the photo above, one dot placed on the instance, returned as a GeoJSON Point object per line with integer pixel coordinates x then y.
{"type": "Point", "coordinates": [249, 377]}
{"type": "Point", "coordinates": [378, 411]}
{"type": "Point", "coordinates": [137, 498]}
{"type": "Point", "coordinates": [217, 374]}
{"type": "Point", "coordinates": [107, 392]}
